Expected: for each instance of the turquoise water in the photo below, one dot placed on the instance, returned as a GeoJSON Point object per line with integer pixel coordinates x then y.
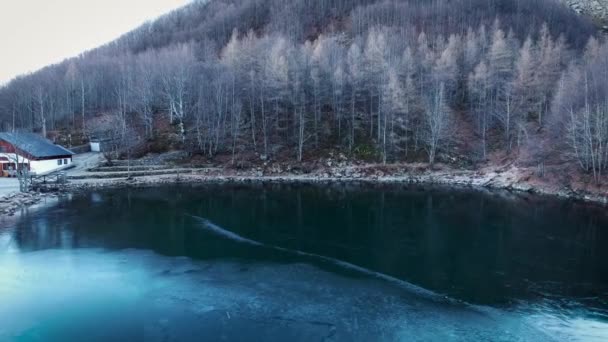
{"type": "Point", "coordinates": [278, 262]}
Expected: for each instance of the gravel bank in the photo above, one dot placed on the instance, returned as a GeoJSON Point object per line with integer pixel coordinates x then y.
{"type": "Point", "coordinates": [10, 204]}
{"type": "Point", "coordinates": [498, 180]}
{"type": "Point", "coordinates": [510, 179]}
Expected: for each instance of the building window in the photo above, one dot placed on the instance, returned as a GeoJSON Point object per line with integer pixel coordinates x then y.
{"type": "Point", "coordinates": [65, 161]}
{"type": "Point", "coordinates": [59, 161]}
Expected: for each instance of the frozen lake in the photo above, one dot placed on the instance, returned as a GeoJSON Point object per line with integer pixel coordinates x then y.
{"type": "Point", "coordinates": [304, 263]}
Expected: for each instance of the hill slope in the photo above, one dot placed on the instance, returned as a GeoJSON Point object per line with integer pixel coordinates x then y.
{"type": "Point", "coordinates": [389, 80]}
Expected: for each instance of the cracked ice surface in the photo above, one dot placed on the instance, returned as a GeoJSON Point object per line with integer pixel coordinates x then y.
{"type": "Point", "coordinates": [91, 294]}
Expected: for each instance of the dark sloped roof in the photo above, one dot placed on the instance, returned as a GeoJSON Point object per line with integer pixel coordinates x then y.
{"type": "Point", "coordinates": [35, 145]}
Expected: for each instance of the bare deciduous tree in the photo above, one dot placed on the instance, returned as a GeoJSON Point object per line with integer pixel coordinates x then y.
{"type": "Point", "coordinates": [437, 122]}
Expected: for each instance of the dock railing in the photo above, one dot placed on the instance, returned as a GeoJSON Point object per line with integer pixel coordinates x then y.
{"type": "Point", "coordinates": [51, 182]}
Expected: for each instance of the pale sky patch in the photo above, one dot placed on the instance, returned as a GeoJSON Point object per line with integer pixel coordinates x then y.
{"type": "Point", "coordinates": [36, 33]}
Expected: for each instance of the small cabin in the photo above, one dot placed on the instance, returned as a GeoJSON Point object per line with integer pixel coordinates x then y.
{"type": "Point", "coordinates": [19, 151]}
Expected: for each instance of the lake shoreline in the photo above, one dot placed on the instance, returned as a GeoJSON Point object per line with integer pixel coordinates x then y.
{"type": "Point", "coordinates": [12, 203]}
{"type": "Point", "coordinates": [512, 180]}
{"type": "Point", "coordinates": [504, 181]}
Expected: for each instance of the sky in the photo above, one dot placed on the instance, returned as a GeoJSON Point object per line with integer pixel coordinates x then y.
{"type": "Point", "coordinates": [36, 33]}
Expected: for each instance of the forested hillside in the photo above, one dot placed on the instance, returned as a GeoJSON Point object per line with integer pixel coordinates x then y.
{"type": "Point", "coordinates": [390, 80]}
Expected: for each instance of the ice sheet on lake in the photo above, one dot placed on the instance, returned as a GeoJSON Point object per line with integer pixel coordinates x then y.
{"type": "Point", "coordinates": [207, 224]}
{"type": "Point", "coordinates": [225, 233]}
{"type": "Point", "coordinates": [100, 295]}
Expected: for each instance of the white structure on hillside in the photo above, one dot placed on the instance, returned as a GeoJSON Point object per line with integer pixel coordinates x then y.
{"type": "Point", "coordinates": [19, 151]}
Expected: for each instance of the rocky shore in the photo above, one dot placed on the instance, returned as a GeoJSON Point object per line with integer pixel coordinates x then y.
{"type": "Point", "coordinates": [14, 202]}
{"type": "Point", "coordinates": [509, 178]}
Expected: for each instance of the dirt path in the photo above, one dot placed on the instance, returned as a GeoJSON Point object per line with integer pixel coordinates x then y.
{"type": "Point", "coordinates": [85, 161]}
